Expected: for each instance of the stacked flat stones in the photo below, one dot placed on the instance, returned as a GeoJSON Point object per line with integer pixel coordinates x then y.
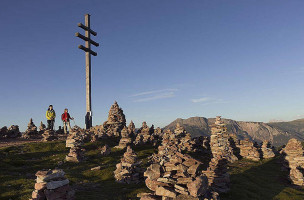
{"type": "Point", "coordinates": [49, 135]}
{"type": "Point", "coordinates": [248, 150]}
{"type": "Point", "coordinates": [219, 141]}
{"type": "Point", "coordinates": [75, 143]}
{"type": "Point", "coordinates": [183, 138]}
{"type": "Point", "coordinates": [116, 121]}
{"type": "Point", "coordinates": [144, 135]}
{"type": "Point", "coordinates": [131, 129]}
{"type": "Point", "coordinates": [52, 185]}
{"type": "Point", "coordinates": [128, 170]}
{"type": "Point", "coordinates": [175, 175]}
{"type": "Point", "coordinates": [125, 140]}
{"type": "Point", "coordinates": [266, 150]}
{"type": "Point", "coordinates": [11, 132]}
{"type": "Point", "coordinates": [294, 161]}
{"type": "Point", "coordinates": [31, 131]}
{"type": "Point", "coordinates": [217, 172]}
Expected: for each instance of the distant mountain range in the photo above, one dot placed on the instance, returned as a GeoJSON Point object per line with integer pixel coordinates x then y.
{"type": "Point", "coordinates": [278, 133]}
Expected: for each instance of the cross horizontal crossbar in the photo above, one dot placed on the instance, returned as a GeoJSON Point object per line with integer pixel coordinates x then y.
{"type": "Point", "coordinates": [86, 39]}
{"type": "Point", "coordinates": [87, 50]}
{"type": "Point", "coordinates": [87, 29]}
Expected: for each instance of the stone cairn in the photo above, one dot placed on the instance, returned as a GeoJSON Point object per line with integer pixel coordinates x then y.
{"type": "Point", "coordinates": [174, 175]}
{"type": "Point", "coordinates": [219, 141]}
{"type": "Point", "coordinates": [128, 170]}
{"type": "Point", "coordinates": [116, 121]}
{"type": "Point", "coordinates": [131, 129]}
{"type": "Point", "coordinates": [52, 185]}
{"type": "Point", "coordinates": [49, 135]}
{"type": "Point", "coordinates": [11, 132]}
{"type": "Point", "coordinates": [42, 127]}
{"type": "Point", "coordinates": [31, 131]}
{"type": "Point", "coordinates": [266, 150]}
{"type": "Point", "coordinates": [222, 153]}
{"type": "Point", "coordinates": [125, 139]}
{"type": "Point", "coordinates": [158, 132]}
{"type": "Point", "coordinates": [144, 135]}
{"type": "Point", "coordinates": [105, 150]}
{"type": "Point", "coordinates": [294, 161]}
{"type": "Point", "coordinates": [248, 150]}
{"type": "Point", "coordinates": [75, 143]}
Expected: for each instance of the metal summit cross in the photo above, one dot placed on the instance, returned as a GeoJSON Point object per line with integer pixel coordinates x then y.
{"type": "Point", "coordinates": [88, 52]}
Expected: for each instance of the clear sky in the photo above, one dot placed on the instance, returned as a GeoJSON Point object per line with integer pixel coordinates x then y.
{"type": "Point", "coordinates": [160, 60]}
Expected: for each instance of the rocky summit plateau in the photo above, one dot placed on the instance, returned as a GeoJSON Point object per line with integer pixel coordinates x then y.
{"type": "Point", "coordinates": [191, 159]}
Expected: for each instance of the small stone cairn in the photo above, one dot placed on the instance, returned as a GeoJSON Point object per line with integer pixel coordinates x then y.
{"type": "Point", "coordinates": [128, 170]}
{"type": "Point", "coordinates": [49, 135]}
{"type": "Point", "coordinates": [42, 127]}
{"type": "Point", "coordinates": [105, 150]}
{"type": "Point", "coordinates": [31, 131]}
{"type": "Point", "coordinates": [248, 150]}
{"type": "Point", "coordinates": [294, 161]}
{"type": "Point", "coordinates": [125, 139]}
{"type": "Point", "coordinates": [174, 175]}
{"type": "Point", "coordinates": [144, 135]}
{"type": "Point", "coordinates": [131, 129]}
{"type": "Point", "coordinates": [266, 150]}
{"type": "Point", "coordinates": [52, 185]}
{"type": "Point", "coordinates": [116, 121]}
{"type": "Point", "coordinates": [75, 142]}
{"type": "Point", "coordinates": [11, 132]}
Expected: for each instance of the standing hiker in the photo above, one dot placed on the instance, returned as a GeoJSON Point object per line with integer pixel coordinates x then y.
{"type": "Point", "coordinates": [50, 116]}
{"type": "Point", "coordinates": [66, 120]}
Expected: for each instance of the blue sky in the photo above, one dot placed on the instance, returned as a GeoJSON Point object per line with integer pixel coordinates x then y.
{"type": "Point", "coordinates": [160, 60]}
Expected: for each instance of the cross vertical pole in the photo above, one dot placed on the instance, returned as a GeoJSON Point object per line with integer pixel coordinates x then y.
{"type": "Point", "coordinates": [88, 52]}
{"type": "Point", "coordinates": [88, 75]}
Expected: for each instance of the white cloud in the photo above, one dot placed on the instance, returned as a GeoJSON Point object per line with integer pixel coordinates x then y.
{"type": "Point", "coordinates": [154, 95]}
{"type": "Point", "coordinates": [153, 92]}
{"type": "Point", "coordinates": [208, 100]}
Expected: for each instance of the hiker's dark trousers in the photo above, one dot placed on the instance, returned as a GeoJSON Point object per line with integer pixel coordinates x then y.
{"type": "Point", "coordinates": [50, 124]}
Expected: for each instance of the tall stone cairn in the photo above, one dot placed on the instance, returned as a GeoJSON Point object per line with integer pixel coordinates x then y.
{"type": "Point", "coordinates": [52, 185]}
{"type": "Point", "coordinates": [219, 141]}
{"type": "Point", "coordinates": [266, 150]}
{"type": "Point", "coordinates": [75, 143]}
{"type": "Point", "coordinates": [116, 121]}
{"type": "Point", "coordinates": [131, 129]}
{"type": "Point", "coordinates": [144, 135]}
{"type": "Point", "coordinates": [248, 150]}
{"type": "Point", "coordinates": [174, 176]}
{"type": "Point", "coordinates": [31, 131]}
{"type": "Point", "coordinates": [125, 140]}
{"type": "Point", "coordinates": [294, 161]}
{"type": "Point", "coordinates": [128, 170]}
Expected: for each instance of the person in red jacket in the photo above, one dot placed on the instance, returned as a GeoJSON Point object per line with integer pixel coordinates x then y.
{"type": "Point", "coordinates": [66, 120]}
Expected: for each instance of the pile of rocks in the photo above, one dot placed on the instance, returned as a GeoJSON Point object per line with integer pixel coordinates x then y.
{"type": "Point", "coordinates": [49, 135]}
{"type": "Point", "coordinates": [158, 132]}
{"type": "Point", "coordinates": [248, 150]}
{"type": "Point", "coordinates": [42, 128]}
{"type": "Point", "coordinates": [31, 131]}
{"type": "Point", "coordinates": [144, 135]}
{"type": "Point", "coordinates": [11, 132]}
{"type": "Point", "coordinates": [105, 150]}
{"type": "Point", "coordinates": [52, 185]}
{"type": "Point", "coordinates": [267, 150]}
{"type": "Point", "coordinates": [116, 121]}
{"type": "Point", "coordinates": [128, 170]}
{"type": "Point", "coordinates": [217, 174]}
{"type": "Point", "coordinates": [75, 143]}
{"type": "Point", "coordinates": [131, 129]}
{"type": "Point", "coordinates": [294, 161]}
{"type": "Point", "coordinates": [125, 139]}
{"type": "Point", "coordinates": [219, 141]}
{"type": "Point", "coordinates": [175, 175]}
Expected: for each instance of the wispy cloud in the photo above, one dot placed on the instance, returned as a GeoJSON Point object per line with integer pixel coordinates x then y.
{"type": "Point", "coordinates": [208, 100]}
{"type": "Point", "coordinates": [153, 92]}
{"type": "Point", "coordinates": [154, 95]}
